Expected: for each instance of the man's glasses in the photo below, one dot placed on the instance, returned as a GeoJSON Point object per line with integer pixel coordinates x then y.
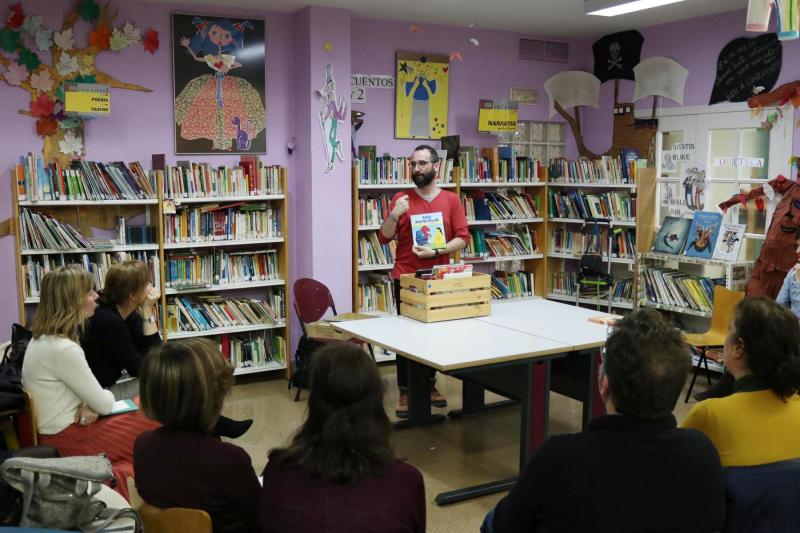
{"type": "Point", "coordinates": [414, 164]}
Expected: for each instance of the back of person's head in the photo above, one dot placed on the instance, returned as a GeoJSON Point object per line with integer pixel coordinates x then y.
{"type": "Point", "coordinates": [346, 435]}
{"type": "Point", "coordinates": [123, 279]}
{"type": "Point", "coordinates": [646, 362]}
{"type": "Point", "coordinates": [63, 294]}
{"type": "Point", "coordinates": [183, 384]}
{"type": "Point", "coordinates": [770, 337]}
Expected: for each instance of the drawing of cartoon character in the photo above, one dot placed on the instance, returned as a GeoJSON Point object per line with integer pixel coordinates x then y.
{"type": "Point", "coordinates": [422, 236]}
{"type": "Point", "coordinates": [219, 107]}
{"type": "Point", "coordinates": [438, 239]}
{"type": "Point", "coordinates": [421, 89]}
{"type": "Point", "coordinates": [334, 110]}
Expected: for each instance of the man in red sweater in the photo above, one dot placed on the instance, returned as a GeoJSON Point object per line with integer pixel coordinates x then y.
{"type": "Point", "coordinates": [426, 198]}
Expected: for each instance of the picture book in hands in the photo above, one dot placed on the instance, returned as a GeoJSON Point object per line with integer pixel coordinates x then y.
{"type": "Point", "coordinates": [427, 230]}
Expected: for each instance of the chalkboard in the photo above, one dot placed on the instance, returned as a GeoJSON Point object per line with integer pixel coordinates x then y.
{"type": "Point", "coordinates": [746, 64]}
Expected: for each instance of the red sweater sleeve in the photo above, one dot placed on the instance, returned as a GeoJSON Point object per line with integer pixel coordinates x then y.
{"type": "Point", "coordinates": [458, 218]}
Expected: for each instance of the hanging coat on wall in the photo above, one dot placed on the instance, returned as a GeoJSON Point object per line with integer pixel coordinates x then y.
{"type": "Point", "coordinates": [616, 54]}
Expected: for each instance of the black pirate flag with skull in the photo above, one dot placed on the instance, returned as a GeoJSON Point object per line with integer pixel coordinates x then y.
{"type": "Point", "coordinates": [615, 55]}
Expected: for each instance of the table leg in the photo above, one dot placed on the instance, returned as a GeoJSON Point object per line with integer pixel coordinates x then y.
{"type": "Point", "coordinates": [593, 405]}
{"type": "Point", "coordinates": [473, 401]}
{"type": "Point", "coordinates": [419, 398]}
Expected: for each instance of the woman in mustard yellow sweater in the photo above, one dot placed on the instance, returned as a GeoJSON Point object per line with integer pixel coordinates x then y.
{"type": "Point", "coordinates": [760, 422]}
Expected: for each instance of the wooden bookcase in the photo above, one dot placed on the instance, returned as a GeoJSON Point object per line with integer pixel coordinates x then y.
{"type": "Point", "coordinates": [99, 218]}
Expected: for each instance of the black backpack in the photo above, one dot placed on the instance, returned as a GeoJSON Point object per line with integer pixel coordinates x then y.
{"type": "Point", "coordinates": [302, 361]}
{"type": "Point", "coordinates": [11, 393]}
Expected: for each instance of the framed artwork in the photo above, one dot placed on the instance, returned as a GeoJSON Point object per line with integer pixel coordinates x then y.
{"type": "Point", "coordinates": [219, 75]}
{"type": "Point", "coordinates": [421, 94]}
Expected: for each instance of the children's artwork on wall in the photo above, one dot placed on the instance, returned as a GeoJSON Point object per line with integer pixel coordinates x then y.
{"type": "Point", "coordinates": [421, 95]}
{"type": "Point", "coordinates": [684, 197]}
{"type": "Point", "coordinates": [786, 13]}
{"type": "Point", "coordinates": [746, 67]}
{"type": "Point", "coordinates": [26, 47]}
{"type": "Point", "coordinates": [333, 112]}
{"type": "Point", "coordinates": [218, 88]}
{"type": "Point", "coordinates": [703, 235]}
{"type": "Point", "coordinates": [616, 54]}
{"type": "Point", "coordinates": [660, 76]}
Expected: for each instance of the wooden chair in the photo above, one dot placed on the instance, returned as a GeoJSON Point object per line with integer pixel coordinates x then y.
{"type": "Point", "coordinates": [725, 302]}
{"type": "Point", "coordinates": [18, 426]}
{"type": "Point", "coordinates": [171, 520]}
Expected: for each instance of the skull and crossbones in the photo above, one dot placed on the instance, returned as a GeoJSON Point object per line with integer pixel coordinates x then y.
{"type": "Point", "coordinates": [615, 61]}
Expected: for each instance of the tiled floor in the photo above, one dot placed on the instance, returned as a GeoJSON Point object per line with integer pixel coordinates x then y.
{"type": "Point", "coordinates": [450, 455]}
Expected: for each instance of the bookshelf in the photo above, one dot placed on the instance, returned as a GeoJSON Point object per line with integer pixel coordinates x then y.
{"type": "Point", "coordinates": [215, 239]}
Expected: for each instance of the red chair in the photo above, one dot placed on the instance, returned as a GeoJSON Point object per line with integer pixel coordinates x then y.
{"type": "Point", "coordinates": [311, 300]}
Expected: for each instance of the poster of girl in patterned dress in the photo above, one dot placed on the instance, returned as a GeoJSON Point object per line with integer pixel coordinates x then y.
{"type": "Point", "coordinates": [219, 77]}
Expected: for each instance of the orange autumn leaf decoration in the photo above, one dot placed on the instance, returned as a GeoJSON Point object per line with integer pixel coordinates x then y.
{"type": "Point", "coordinates": [46, 126]}
{"type": "Point", "coordinates": [42, 106]}
{"type": "Point", "coordinates": [100, 38]}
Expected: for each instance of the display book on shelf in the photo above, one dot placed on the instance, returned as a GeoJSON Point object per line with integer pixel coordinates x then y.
{"type": "Point", "coordinates": [227, 231]}
{"type": "Point", "coordinates": [592, 208]}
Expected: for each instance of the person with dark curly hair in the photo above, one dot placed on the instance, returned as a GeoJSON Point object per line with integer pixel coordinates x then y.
{"type": "Point", "coordinates": [340, 473]}
{"type": "Point", "coordinates": [760, 422]}
{"type": "Point", "coordinates": [631, 470]}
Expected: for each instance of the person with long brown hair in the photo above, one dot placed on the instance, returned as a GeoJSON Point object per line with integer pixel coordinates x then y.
{"type": "Point", "coordinates": [181, 464]}
{"type": "Point", "coordinates": [339, 468]}
{"type": "Point", "coordinates": [67, 398]}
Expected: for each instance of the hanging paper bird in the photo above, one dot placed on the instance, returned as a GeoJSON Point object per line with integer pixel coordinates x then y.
{"type": "Point", "coordinates": [455, 56]}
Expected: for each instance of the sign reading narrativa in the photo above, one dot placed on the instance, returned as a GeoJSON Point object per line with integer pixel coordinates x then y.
{"type": "Point", "coordinates": [498, 116]}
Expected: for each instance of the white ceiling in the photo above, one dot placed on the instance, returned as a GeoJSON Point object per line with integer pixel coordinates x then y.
{"type": "Point", "coordinates": [545, 18]}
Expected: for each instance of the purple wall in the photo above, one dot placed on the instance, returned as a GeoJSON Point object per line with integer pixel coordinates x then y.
{"type": "Point", "coordinates": [695, 44]}
{"type": "Point", "coordinates": [486, 71]}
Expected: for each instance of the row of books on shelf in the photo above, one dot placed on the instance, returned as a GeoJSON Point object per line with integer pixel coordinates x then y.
{"type": "Point", "coordinates": [576, 242]}
{"type": "Point", "coordinates": [134, 234]}
{"type": "Point", "coordinates": [220, 268]}
{"type": "Point", "coordinates": [373, 210]}
{"type": "Point", "coordinates": [512, 284]}
{"type": "Point", "coordinates": [376, 294]}
{"type": "Point", "coordinates": [216, 222]}
{"type": "Point", "coordinates": [500, 205]}
{"type": "Point", "coordinates": [517, 240]}
{"type": "Point", "coordinates": [205, 313]}
{"type": "Point", "coordinates": [84, 180]}
{"type": "Point", "coordinates": [604, 170]}
{"type": "Point", "coordinates": [372, 252]}
{"type": "Point", "coordinates": [201, 180]}
{"type": "Point", "coordinates": [387, 169]}
{"type": "Point", "coordinates": [566, 283]}
{"type": "Point", "coordinates": [672, 287]}
{"type": "Point", "coordinates": [39, 231]}
{"type": "Point", "coordinates": [35, 267]}
{"type": "Point", "coordinates": [498, 164]}
{"type": "Point", "coordinates": [253, 351]}
{"type": "Point", "coordinates": [617, 206]}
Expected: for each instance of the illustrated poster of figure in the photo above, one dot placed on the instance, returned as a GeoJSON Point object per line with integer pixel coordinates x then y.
{"type": "Point", "coordinates": [219, 77]}
{"type": "Point", "coordinates": [334, 111]}
{"type": "Point", "coordinates": [421, 94]}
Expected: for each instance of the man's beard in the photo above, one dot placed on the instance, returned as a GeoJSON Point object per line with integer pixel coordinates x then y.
{"type": "Point", "coordinates": [422, 179]}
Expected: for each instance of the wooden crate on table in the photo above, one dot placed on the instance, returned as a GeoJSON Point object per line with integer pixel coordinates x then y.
{"type": "Point", "coordinates": [434, 300]}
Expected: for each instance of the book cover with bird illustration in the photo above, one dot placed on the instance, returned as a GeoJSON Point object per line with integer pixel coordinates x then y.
{"type": "Point", "coordinates": [703, 234]}
{"type": "Point", "coordinates": [427, 229]}
{"type": "Point", "coordinates": [672, 235]}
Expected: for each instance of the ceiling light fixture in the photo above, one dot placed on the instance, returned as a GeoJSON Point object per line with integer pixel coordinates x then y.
{"type": "Point", "coordinates": [612, 8]}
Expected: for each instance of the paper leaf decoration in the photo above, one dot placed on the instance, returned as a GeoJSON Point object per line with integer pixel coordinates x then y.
{"type": "Point", "coordinates": [46, 126]}
{"type": "Point", "coordinates": [69, 123]}
{"type": "Point", "coordinates": [42, 81]}
{"type": "Point", "coordinates": [70, 144]}
{"type": "Point", "coordinates": [64, 39]}
{"type": "Point", "coordinates": [67, 65]}
{"type": "Point", "coordinates": [42, 106]}
{"type": "Point", "coordinates": [132, 33]}
{"type": "Point", "coordinates": [88, 10]}
{"type": "Point", "coordinates": [32, 24]}
{"type": "Point", "coordinates": [16, 18]}
{"type": "Point", "coordinates": [474, 41]}
{"type": "Point", "coordinates": [86, 67]}
{"type": "Point", "coordinates": [15, 74]}
{"type": "Point", "coordinates": [10, 40]}
{"type": "Point", "coordinates": [44, 39]}
{"type": "Point", "coordinates": [660, 76]}
{"type": "Point", "coordinates": [151, 40]}
{"type": "Point", "coordinates": [118, 40]}
{"type": "Point", "coordinates": [100, 37]}
{"type": "Point", "coordinates": [573, 88]}
{"type": "Point", "coordinates": [29, 59]}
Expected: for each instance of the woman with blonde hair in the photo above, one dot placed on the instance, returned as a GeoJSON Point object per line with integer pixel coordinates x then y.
{"type": "Point", "coordinates": [67, 397]}
{"type": "Point", "coordinates": [181, 464]}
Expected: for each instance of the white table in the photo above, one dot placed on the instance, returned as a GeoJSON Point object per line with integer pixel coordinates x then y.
{"type": "Point", "coordinates": [509, 352]}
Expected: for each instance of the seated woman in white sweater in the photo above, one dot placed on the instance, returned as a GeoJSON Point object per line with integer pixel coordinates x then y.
{"type": "Point", "coordinates": [67, 397]}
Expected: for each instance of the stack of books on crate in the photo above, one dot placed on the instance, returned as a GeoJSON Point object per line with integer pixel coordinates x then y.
{"type": "Point", "coordinates": [667, 286]}
{"type": "Point", "coordinates": [576, 204]}
{"type": "Point", "coordinates": [244, 352]}
{"type": "Point", "coordinates": [512, 284]}
{"type": "Point", "coordinates": [215, 222]}
{"type": "Point", "coordinates": [206, 313]}
{"type": "Point", "coordinates": [373, 210]}
{"type": "Point", "coordinates": [376, 294]}
{"type": "Point", "coordinates": [84, 180]}
{"type": "Point", "coordinates": [372, 252]}
{"type": "Point", "coordinates": [201, 180]}
{"type": "Point", "coordinates": [221, 267]}
{"type": "Point", "coordinates": [603, 170]}
{"type": "Point", "coordinates": [519, 240]}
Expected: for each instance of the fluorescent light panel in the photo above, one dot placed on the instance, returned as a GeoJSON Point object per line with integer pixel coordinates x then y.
{"type": "Point", "coordinates": [599, 7]}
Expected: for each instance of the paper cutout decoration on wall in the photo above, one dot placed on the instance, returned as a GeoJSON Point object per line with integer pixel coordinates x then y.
{"type": "Point", "coordinates": [745, 66]}
{"type": "Point", "coordinates": [421, 95]}
{"type": "Point", "coordinates": [616, 54]}
{"type": "Point", "coordinates": [786, 12]}
{"type": "Point", "coordinates": [572, 88]}
{"type": "Point", "coordinates": [333, 112]}
{"type": "Point", "coordinates": [660, 76]}
{"type": "Point", "coordinates": [218, 88]}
